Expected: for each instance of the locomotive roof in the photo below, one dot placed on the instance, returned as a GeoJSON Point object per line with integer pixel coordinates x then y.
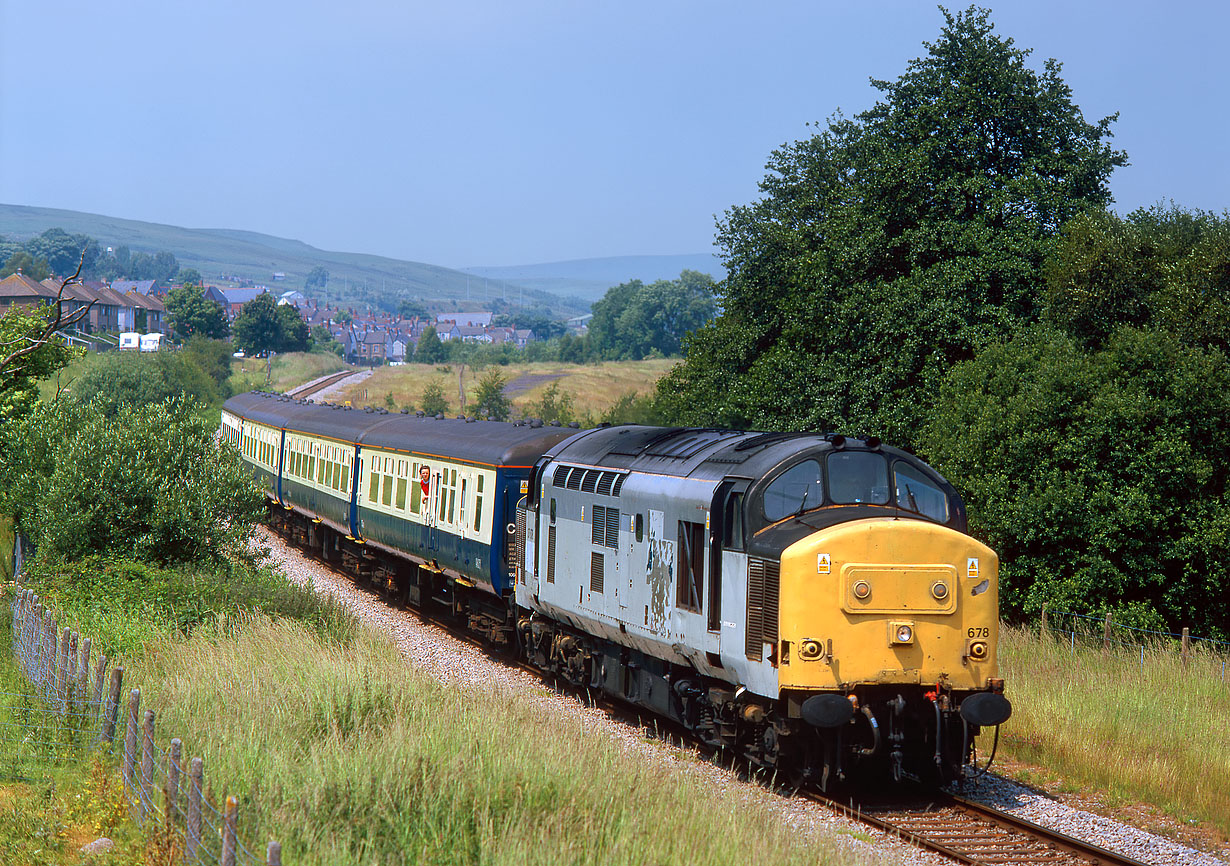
{"type": "Point", "coordinates": [491, 442]}
{"type": "Point", "coordinates": [702, 453]}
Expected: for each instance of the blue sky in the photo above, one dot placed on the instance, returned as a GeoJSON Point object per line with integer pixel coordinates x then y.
{"type": "Point", "coordinates": [500, 132]}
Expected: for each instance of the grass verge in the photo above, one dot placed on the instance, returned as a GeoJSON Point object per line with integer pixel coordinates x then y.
{"type": "Point", "coordinates": [289, 370]}
{"type": "Point", "coordinates": [1151, 733]}
{"type": "Point", "coordinates": [345, 754]}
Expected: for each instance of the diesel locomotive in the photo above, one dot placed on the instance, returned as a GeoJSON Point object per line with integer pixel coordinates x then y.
{"type": "Point", "coordinates": [810, 602]}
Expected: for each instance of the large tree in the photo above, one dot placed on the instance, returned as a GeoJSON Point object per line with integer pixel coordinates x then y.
{"type": "Point", "coordinates": [258, 328]}
{"type": "Point", "coordinates": [633, 320]}
{"type": "Point", "coordinates": [889, 247]}
{"type": "Point", "coordinates": [193, 314]}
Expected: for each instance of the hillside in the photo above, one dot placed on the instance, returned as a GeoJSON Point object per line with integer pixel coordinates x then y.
{"type": "Point", "coordinates": [253, 258]}
{"type": "Point", "coordinates": [590, 278]}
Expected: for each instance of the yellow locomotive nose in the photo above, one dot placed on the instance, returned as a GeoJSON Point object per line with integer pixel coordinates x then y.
{"type": "Point", "coordinates": [896, 601]}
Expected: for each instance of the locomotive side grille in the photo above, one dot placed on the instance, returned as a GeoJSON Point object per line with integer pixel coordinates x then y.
{"type": "Point", "coordinates": [612, 529]}
{"type": "Point", "coordinates": [619, 483]}
{"type": "Point", "coordinates": [596, 572]}
{"type": "Point", "coordinates": [605, 480]}
{"type": "Point", "coordinates": [755, 609]}
{"type": "Point", "coordinates": [574, 480]}
{"type": "Point", "coordinates": [590, 481]}
{"type": "Point", "coordinates": [772, 589]}
{"type": "Point", "coordinates": [561, 475]}
{"type": "Point", "coordinates": [597, 533]}
{"type": "Point", "coordinates": [551, 555]}
{"type": "Point", "coordinates": [763, 591]}
{"type": "Point", "coordinates": [521, 544]}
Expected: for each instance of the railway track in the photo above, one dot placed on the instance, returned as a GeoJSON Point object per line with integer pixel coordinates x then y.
{"type": "Point", "coordinates": [973, 833]}
{"type": "Point", "coordinates": [963, 830]}
{"type": "Point", "coordinates": [311, 388]}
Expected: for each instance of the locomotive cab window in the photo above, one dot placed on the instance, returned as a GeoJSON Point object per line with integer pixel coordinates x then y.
{"type": "Point", "coordinates": [917, 493]}
{"type": "Point", "coordinates": [858, 477]}
{"type": "Point", "coordinates": [690, 569]}
{"type": "Point", "coordinates": [794, 491]}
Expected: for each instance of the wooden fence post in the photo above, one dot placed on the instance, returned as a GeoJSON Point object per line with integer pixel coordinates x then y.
{"type": "Point", "coordinates": [100, 671]}
{"type": "Point", "coordinates": [1106, 634]}
{"type": "Point", "coordinates": [130, 739]}
{"type": "Point", "coordinates": [147, 765]}
{"type": "Point", "coordinates": [1044, 631]}
{"type": "Point", "coordinates": [196, 782]}
{"type": "Point", "coordinates": [1187, 646]}
{"type": "Point", "coordinates": [230, 827]}
{"type": "Point", "coordinates": [273, 854]}
{"type": "Point", "coordinates": [113, 705]}
{"type": "Point", "coordinates": [49, 653]}
{"type": "Point", "coordinates": [61, 681]}
{"type": "Point", "coordinates": [70, 670]}
{"type": "Point", "coordinates": [173, 760]}
{"type": "Point", "coordinates": [83, 674]}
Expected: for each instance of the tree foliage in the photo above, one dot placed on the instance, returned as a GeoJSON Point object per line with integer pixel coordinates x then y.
{"type": "Point", "coordinates": [116, 380]}
{"type": "Point", "coordinates": [889, 247]}
{"type": "Point", "coordinates": [434, 402]}
{"type": "Point", "coordinates": [19, 328]}
{"type": "Point", "coordinates": [317, 278]}
{"type": "Point", "coordinates": [151, 482]}
{"type": "Point", "coordinates": [490, 401]}
{"type": "Point", "coordinates": [193, 314]}
{"type": "Point", "coordinates": [633, 320]}
{"type": "Point", "coordinates": [430, 349]}
{"type": "Point", "coordinates": [1099, 476]}
{"type": "Point", "coordinates": [263, 326]}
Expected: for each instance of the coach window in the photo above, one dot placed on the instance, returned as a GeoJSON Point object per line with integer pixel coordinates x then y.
{"type": "Point", "coordinates": [462, 513]}
{"type": "Point", "coordinates": [858, 477]}
{"type": "Point", "coordinates": [346, 477]}
{"type": "Point", "coordinates": [401, 485]}
{"type": "Point", "coordinates": [478, 505]}
{"type": "Point", "coordinates": [452, 496]}
{"type": "Point", "coordinates": [794, 491]}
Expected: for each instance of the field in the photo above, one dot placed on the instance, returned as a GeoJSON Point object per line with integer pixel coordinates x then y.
{"type": "Point", "coordinates": [289, 370]}
{"type": "Point", "coordinates": [1133, 732]}
{"type": "Point", "coordinates": [593, 388]}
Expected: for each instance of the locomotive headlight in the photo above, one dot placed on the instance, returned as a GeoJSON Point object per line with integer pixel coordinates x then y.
{"type": "Point", "coordinates": [862, 589]}
{"type": "Point", "coordinates": [939, 590]}
{"type": "Point", "coordinates": [978, 650]}
{"type": "Point", "coordinates": [810, 650]}
{"type": "Point", "coordinates": [901, 632]}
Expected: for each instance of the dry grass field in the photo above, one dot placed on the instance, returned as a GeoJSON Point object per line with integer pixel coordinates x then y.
{"type": "Point", "coordinates": [594, 388]}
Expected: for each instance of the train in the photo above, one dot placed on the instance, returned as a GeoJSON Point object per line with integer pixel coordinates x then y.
{"type": "Point", "coordinates": [810, 602]}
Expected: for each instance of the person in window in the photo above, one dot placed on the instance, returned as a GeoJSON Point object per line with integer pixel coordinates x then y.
{"type": "Point", "coordinates": [425, 480]}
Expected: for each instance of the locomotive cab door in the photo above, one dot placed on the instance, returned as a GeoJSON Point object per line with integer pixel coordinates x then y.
{"type": "Point", "coordinates": [727, 559]}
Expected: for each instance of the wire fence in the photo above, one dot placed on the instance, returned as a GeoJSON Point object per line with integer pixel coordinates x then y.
{"type": "Point", "coordinates": [1086, 631]}
{"type": "Point", "coordinates": [73, 708]}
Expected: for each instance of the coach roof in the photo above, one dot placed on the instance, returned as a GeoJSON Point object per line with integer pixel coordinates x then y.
{"type": "Point", "coordinates": [489, 442]}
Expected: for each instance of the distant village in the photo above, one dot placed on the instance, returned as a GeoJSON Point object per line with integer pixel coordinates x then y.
{"type": "Point", "coordinates": [131, 314]}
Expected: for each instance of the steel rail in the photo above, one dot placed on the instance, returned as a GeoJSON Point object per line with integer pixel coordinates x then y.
{"type": "Point", "coordinates": [312, 387]}
{"type": "Point", "coordinates": [976, 834]}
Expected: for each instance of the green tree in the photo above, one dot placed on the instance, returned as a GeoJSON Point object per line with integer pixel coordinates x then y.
{"type": "Point", "coordinates": [323, 341]}
{"type": "Point", "coordinates": [295, 333]}
{"type": "Point", "coordinates": [1099, 476]}
{"type": "Point", "coordinates": [553, 405]}
{"type": "Point", "coordinates": [114, 380]}
{"type": "Point", "coordinates": [490, 401]}
{"type": "Point", "coordinates": [63, 252]}
{"type": "Point", "coordinates": [434, 402]}
{"type": "Point", "coordinates": [258, 328]}
{"type": "Point", "coordinates": [35, 269]}
{"type": "Point", "coordinates": [317, 278]}
{"type": "Point", "coordinates": [152, 481]}
{"type": "Point", "coordinates": [23, 330]}
{"type": "Point", "coordinates": [889, 247]}
{"type": "Point", "coordinates": [409, 309]}
{"type": "Point", "coordinates": [430, 349]}
{"type": "Point", "coordinates": [193, 314]}
{"type": "Point", "coordinates": [191, 277]}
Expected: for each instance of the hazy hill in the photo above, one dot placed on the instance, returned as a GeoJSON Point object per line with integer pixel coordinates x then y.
{"type": "Point", "coordinates": [590, 278]}
{"type": "Point", "coordinates": [252, 258]}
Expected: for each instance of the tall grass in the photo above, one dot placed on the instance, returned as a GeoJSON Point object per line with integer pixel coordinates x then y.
{"type": "Point", "coordinates": [290, 369]}
{"type": "Point", "coordinates": [348, 756]}
{"type": "Point", "coordinates": [1155, 732]}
